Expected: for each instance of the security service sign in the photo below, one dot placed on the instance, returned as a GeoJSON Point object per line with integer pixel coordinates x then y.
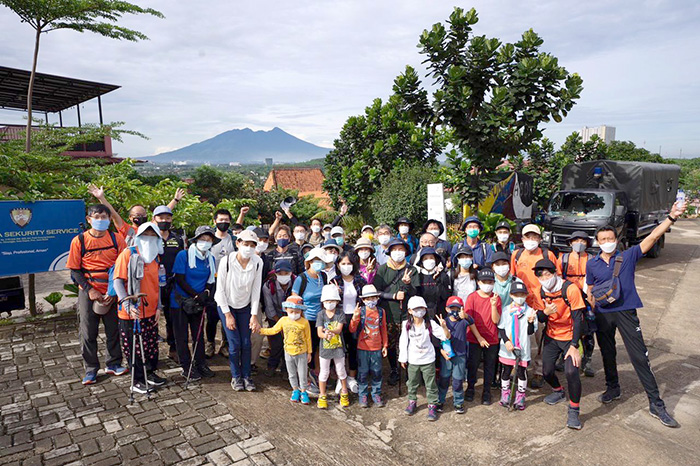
{"type": "Point", "coordinates": [35, 236]}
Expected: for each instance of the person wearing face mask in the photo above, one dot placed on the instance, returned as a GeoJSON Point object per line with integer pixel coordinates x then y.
{"type": "Point", "coordinates": [518, 322]}
{"type": "Point", "coordinates": [504, 279]}
{"type": "Point", "coordinates": [338, 235]}
{"type": "Point", "coordinates": [238, 289]}
{"type": "Point", "coordinates": [484, 306]}
{"type": "Point", "coordinates": [404, 226]}
{"type": "Point", "coordinates": [381, 251]}
{"type": "Point", "coordinates": [472, 226]}
{"type": "Point", "coordinates": [92, 253]}
{"type": "Point", "coordinates": [426, 240]}
{"type": "Point", "coordinates": [195, 272]}
{"type": "Point", "coordinates": [397, 281]}
{"type": "Point", "coordinates": [367, 232]}
{"type": "Point", "coordinates": [284, 250]}
{"type": "Point", "coordinates": [349, 283]}
{"type": "Point", "coordinates": [563, 308]}
{"type": "Point", "coordinates": [436, 228]}
{"type": "Point", "coordinates": [503, 242]}
{"type": "Point", "coordinates": [434, 283]}
{"type": "Point", "coordinates": [364, 250]}
{"type": "Point", "coordinates": [135, 272]}
{"type": "Point", "coordinates": [326, 232]}
{"type": "Point", "coordinates": [316, 237]}
{"type": "Point", "coordinates": [300, 235]}
{"type": "Point", "coordinates": [332, 253]}
{"type": "Point", "coordinates": [463, 273]}
{"type": "Point", "coordinates": [276, 290]}
{"type": "Point", "coordinates": [621, 314]}
{"type": "Point", "coordinates": [329, 325]}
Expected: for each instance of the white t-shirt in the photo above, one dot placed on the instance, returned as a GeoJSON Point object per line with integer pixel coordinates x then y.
{"type": "Point", "coordinates": [464, 286]}
{"type": "Point", "coordinates": [349, 297]}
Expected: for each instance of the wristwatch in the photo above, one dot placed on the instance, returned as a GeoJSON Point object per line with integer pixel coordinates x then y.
{"type": "Point", "coordinates": [673, 220]}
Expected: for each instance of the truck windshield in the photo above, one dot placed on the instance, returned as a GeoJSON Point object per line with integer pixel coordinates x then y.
{"type": "Point", "coordinates": [575, 204]}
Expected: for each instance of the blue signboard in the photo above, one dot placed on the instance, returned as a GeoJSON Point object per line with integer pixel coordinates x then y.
{"type": "Point", "coordinates": [35, 236]}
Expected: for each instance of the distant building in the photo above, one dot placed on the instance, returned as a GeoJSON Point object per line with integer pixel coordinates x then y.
{"type": "Point", "coordinates": [234, 164]}
{"type": "Point", "coordinates": [308, 181]}
{"type": "Point", "coordinates": [268, 161]}
{"type": "Point", "coordinates": [606, 133]}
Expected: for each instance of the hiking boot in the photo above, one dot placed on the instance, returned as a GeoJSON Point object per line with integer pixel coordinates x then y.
{"type": "Point", "coordinates": [90, 378]}
{"type": "Point", "coordinates": [432, 413]}
{"type": "Point", "coordinates": [609, 395]}
{"type": "Point", "coordinates": [364, 401]}
{"type": "Point", "coordinates": [537, 382]}
{"type": "Point", "coordinates": [459, 409]}
{"type": "Point", "coordinates": [486, 398]}
{"type": "Point", "coordinates": [296, 396]}
{"type": "Point", "coordinates": [344, 400]}
{"type": "Point", "coordinates": [194, 375]}
{"type": "Point", "coordinates": [394, 377]}
{"type": "Point", "coordinates": [519, 401]}
{"type": "Point", "coordinates": [555, 397]}
{"type": "Point", "coordinates": [588, 369]}
{"type": "Point", "coordinates": [270, 372]}
{"type": "Point", "coordinates": [505, 397]}
{"type": "Point", "coordinates": [572, 420]}
{"type": "Point", "coordinates": [117, 370]}
{"type": "Point", "coordinates": [223, 350]}
{"type": "Point", "coordinates": [205, 371]}
{"type": "Point", "coordinates": [469, 394]}
{"type": "Point", "coordinates": [322, 402]}
{"type": "Point", "coordinates": [172, 354]}
{"type": "Point", "coordinates": [353, 386]}
{"type": "Point", "coordinates": [237, 385]}
{"type": "Point", "coordinates": [209, 349]}
{"type": "Point", "coordinates": [378, 402]}
{"type": "Point", "coordinates": [411, 408]}
{"type": "Point", "coordinates": [139, 387]}
{"type": "Point", "coordinates": [660, 413]}
{"type": "Point", "coordinates": [305, 398]}
{"type": "Point", "coordinates": [155, 380]}
{"type": "Point", "coordinates": [439, 407]}
{"type": "Point", "coordinates": [248, 384]}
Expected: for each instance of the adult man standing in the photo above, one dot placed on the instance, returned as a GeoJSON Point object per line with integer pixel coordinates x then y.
{"type": "Point", "coordinates": [622, 312]}
{"type": "Point", "coordinates": [472, 226]}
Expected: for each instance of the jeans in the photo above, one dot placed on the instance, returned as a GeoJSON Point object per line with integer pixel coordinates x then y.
{"type": "Point", "coordinates": [297, 369]}
{"type": "Point", "coordinates": [89, 328]}
{"type": "Point", "coordinates": [239, 348]}
{"type": "Point", "coordinates": [414, 375]}
{"type": "Point", "coordinates": [455, 368]}
{"type": "Point", "coordinates": [369, 363]}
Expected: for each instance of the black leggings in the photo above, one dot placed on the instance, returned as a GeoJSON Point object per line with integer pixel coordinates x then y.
{"type": "Point", "coordinates": [506, 370]}
{"type": "Point", "coordinates": [350, 345]}
{"type": "Point", "coordinates": [490, 356]}
{"type": "Point", "coordinates": [550, 353]}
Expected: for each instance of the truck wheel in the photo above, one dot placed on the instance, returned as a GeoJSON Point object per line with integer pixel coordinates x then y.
{"type": "Point", "coordinates": [655, 251]}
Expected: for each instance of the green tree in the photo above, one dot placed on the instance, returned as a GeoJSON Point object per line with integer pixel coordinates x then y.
{"type": "Point", "coordinates": [491, 96]}
{"type": "Point", "coordinates": [213, 185]}
{"type": "Point", "coordinates": [403, 193]}
{"type": "Point", "coordinates": [98, 16]}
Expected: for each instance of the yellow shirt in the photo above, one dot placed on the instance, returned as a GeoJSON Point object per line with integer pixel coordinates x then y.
{"type": "Point", "coordinates": [297, 334]}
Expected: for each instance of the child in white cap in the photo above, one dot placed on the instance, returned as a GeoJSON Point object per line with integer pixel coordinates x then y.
{"type": "Point", "coordinates": [329, 325]}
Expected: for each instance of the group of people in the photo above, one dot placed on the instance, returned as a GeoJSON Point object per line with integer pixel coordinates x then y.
{"type": "Point", "coordinates": [437, 310]}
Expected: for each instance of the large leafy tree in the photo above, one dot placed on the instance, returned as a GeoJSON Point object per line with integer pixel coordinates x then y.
{"type": "Point", "coordinates": [98, 16]}
{"type": "Point", "coordinates": [491, 96]}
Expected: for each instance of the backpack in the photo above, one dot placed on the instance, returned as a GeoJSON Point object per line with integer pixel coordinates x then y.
{"type": "Point", "coordinates": [565, 265]}
{"type": "Point", "coordinates": [363, 315]}
{"type": "Point", "coordinates": [110, 286]}
{"type": "Point", "coordinates": [609, 292]}
{"type": "Point", "coordinates": [564, 290]}
{"type": "Point", "coordinates": [519, 252]}
{"type": "Point", "coordinates": [84, 250]}
{"type": "Point", "coordinates": [305, 282]}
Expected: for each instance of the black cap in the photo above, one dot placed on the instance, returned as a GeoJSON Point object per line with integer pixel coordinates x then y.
{"type": "Point", "coordinates": [403, 220]}
{"type": "Point", "coordinates": [518, 287]}
{"type": "Point", "coordinates": [500, 256]}
{"type": "Point", "coordinates": [261, 233]}
{"type": "Point", "coordinates": [503, 224]}
{"type": "Point", "coordinates": [397, 242]}
{"type": "Point", "coordinates": [578, 235]}
{"type": "Point", "coordinates": [485, 274]}
{"type": "Point", "coordinates": [545, 264]}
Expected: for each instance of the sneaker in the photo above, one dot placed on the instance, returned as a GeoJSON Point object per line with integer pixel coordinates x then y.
{"type": "Point", "coordinates": [344, 400]}
{"type": "Point", "coordinates": [322, 402]}
{"type": "Point", "coordinates": [205, 371]}
{"type": "Point", "coordinates": [505, 397]}
{"type": "Point", "coordinates": [237, 385]}
{"type": "Point", "coordinates": [486, 398]}
{"type": "Point", "coordinates": [172, 354]}
{"type": "Point", "coordinates": [587, 369]}
{"type": "Point", "coordinates": [305, 398]}
{"type": "Point", "coordinates": [90, 378]}
{"type": "Point", "coordinates": [609, 395]}
{"type": "Point", "coordinates": [139, 387]}
{"type": "Point", "coordinates": [432, 413]}
{"type": "Point", "coordinates": [363, 401]}
{"type": "Point", "coordinates": [338, 387]}
{"type": "Point", "coordinates": [264, 354]}
{"type": "Point", "coordinates": [116, 370]}
{"type": "Point", "coordinates": [394, 377]}
{"type": "Point", "coordinates": [378, 402]}
{"type": "Point", "coordinates": [353, 386]}
{"type": "Point", "coordinates": [194, 375]}
{"type": "Point", "coordinates": [249, 385]}
{"type": "Point", "coordinates": [519, 401]}
{"type": "Point", "coordinates": [411, 408]}
{"type": "Point", "coordinates": [312, 389]}
{"type": "Point", "coordinates": [572, 420]}
{"type": "Point", "coordinates": [469, 394]}
{"type": "Point", "coordinates": [660, 413]}
{"type": "Point", "coordinates": [296, 396]}
{"type": "Point", "coordinates": [536, 382]}
{"type": "Point", "coordinates": [209, 349]}
{"type": "Point", "coordinates": [155, 380]}
{"type": "Point", "coordinates": [439, 407]}
{"type": "Point", "coordinates": [459, 409]}
{"type": "Point", "coordinates": [555, 397]}
{"type": "Point", "coordinates": [223, 350]}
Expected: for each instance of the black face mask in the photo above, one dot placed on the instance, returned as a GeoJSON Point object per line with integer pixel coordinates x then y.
{"type": "Point", "coordinates": [140, 220]}
{"type": "Point", "coordinates": [455, 315]}
{"type": "Point", "coordinates": [223, 226]}
{"type": "Point", "coordinates": [164, 226]}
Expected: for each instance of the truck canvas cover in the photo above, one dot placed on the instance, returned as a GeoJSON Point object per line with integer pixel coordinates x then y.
{"type": "Point", "coordinates": [649, 187]}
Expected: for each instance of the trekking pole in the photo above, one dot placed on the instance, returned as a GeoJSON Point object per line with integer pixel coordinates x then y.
{"type": "Point", "coordinates": [194, 352]}
{"type": "Point", "coordinates": [141, 297]}
{"type": "Point", "coordinates": [136, 330]}
{"type": "Point", "coordinates": [513, 384]}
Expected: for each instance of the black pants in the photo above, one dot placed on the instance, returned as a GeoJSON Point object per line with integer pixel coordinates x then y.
{"type": "Point", "coordinates": [165, 300]}
{"type": "Point", "coordinates": [315, 342]}
{"type": "Point", "coordinates": [276, 347]}
{"type": "Point", "coordinates": [350, 346]}
{"type": "Point", "coordinates": [182, 323]}
{"type": "Point", "coordinates": [490, 355]}
{"type": "Point", "coordinates": [212, 321]}
{"type": "Point", "coordinates": [628, 324]}
{"type": "Point", "coordinates": [507, 370]}
{"type": "Point", "coordinates": [551, 351]}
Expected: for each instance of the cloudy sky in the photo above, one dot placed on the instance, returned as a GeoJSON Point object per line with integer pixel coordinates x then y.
{"type": "Point", "coordinates": [306, 66]}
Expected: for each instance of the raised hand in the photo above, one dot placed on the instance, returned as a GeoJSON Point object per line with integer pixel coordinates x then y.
{"type": "Point", "coordinates": [244, 210]}
{"type": "Point", "coordinates": [179, 194]}
{"type": "Point", "coordinates": [370, 264]}
{"type": "Point", "coordinates": [98, 193]}
{"type": "Point", "coordinates": [356, 312]}
{"type": "Point", "coordinates": [278, 215]}
{"type": "Point", "coordinates": [407, 276]}
{"type": "Point", "coordinates": [343, 208]}
{"type": "Point", "coordinates": [678, 209]}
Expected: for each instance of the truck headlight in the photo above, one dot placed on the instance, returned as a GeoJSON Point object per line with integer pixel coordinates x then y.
{"type": "Point", "coordinates": [547, 236]}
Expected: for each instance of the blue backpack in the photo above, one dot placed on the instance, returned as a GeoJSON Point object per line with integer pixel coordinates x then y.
{"type": "Point", "coordinates": [110, 287]}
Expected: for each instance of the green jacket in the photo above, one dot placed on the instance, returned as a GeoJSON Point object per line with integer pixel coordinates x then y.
{"type": "Point", "coordinates": [388, 282]}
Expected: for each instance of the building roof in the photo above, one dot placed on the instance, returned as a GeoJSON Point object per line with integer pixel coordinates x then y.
{"type": "Point", "coordinates": [51, 93]}
{"type": "Point", "coordinates": [304, 180]}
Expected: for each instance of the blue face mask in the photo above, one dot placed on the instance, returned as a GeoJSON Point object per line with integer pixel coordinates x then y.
{"type": "Point", "coordinates": [100, 224]}
{"type": "Point", "coordinates": [339, 240]}
{"type": "Point", "coordinates": [465, 263]}
{"type": "Point", "coordinates": [283, 243]}
{"type": "Point", "coordinates": [317, 266]}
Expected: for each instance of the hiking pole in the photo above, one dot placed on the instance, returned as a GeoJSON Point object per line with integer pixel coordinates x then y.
{"type": "Point", "coordinates": [194, 351]}
{"type": "Point", "coordinates": [513, 384]}
{"type": "Point", "coordinates": [141, 347]}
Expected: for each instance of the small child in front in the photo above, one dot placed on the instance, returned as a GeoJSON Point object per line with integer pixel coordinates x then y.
{"type": "Point", "coordinates": [329, 324]}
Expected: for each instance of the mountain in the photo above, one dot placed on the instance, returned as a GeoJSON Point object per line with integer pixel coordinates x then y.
{"type": "Point", "coordinates": [245, 146]}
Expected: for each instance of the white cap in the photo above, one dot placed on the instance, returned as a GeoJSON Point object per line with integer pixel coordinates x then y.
{"type": "Point", "coordinates": [316, 253]}
{"type": "Point", "coordinates": [145, 226]}
{"type": "Point", "coordinates": [416, 301]}
{"type": "Point", "coordinates": [247, 235]}
{"type": "Point", "coordinates": [337, 230]}
{"type": "Point", "coordinates": [330, 293]}
{"type": "Point", "coordinates": [531, 228]}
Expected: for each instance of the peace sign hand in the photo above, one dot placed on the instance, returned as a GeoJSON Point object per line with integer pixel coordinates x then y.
{"type": "Point", "coordinates": [370, 264]}
{"type": "Point", "coordinates": [356, 312]}
{"type": "Point", "coordinates": [407, 276]}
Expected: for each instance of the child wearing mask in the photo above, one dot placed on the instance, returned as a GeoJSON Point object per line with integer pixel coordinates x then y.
{"type": "Point", "coordinates": [514, 329]}
{"type": "Point", "coordinates": [368, 324]}
{"type": "Point", "coordinates": [504, 279]}
{"type": "Point", "coordinates": [503, 242]}
{"type": "Point", "coordinates": [463, 273]}
{"type": "Point", "coordinates": [329, 323]}
{"type": "Point", "coordinates": [297, 346]}
{"type": "Point", "coordinates": [417, 354]}
{"type": "Point", "coordinates": [435, 286]}
{"type": "Point", "coordinates": [275, 292]}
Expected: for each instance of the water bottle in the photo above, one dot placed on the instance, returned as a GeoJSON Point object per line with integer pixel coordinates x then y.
{"type": "Point", "coordinates": [162, 279]}
{"type": "Point", "coordinates": [447, 346]}
{"type": "Point", "coordinates": [680, 197]}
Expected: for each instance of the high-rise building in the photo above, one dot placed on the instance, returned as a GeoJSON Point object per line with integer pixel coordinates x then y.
{"type": "Point", "coordinates": [606, 133]}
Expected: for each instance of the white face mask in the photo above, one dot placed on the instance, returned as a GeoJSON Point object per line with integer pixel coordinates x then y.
{"type": "Point", "coordinates": [204, 245]}
{"type": "Point", "coordinates": [530, 245]}
{"type": "Point", "coordinates": [329, 305]}
{"type": "Point", "coordinates": [398, 256]}
{"type": "Point", "coordinates": [429, 264]}
{"type": "Point", "coordinates": [331, 258]}
{"type": "Point", "coordinates": [502, 237]}
{"type": "Point", "coordinates": [486, 287]}
{"type": "Point", "coordinates": [246, 251]}
{"type": "Point", "coordinates": [384, 239]}
{"type": "Point", "coordinates": [346, 269]}
{"type": "Point", "coordinates": [327, 234]}
{"type": "Point", "coordinates": [371, 303]}
{"type": "Point", "coordinates": [315, 228]}
{"type": "Point", "coordinates": [294, 315]}
{"type": "Point", "coordinates": [364, 254]}
{"type": "Point", "coordinates": [549, 283]}
{"type": "Point", "coordinates": [284, 279]}
{"type": "Point", "coordinates": [609, 248]}
{"type": "Point", "coordinates": [501, 270]}
{"type": "Point", "coordinates": [403, 229]}
{"type": "Point", "coordinates": [298, 235]}
{"type": "Point", "coordinates": [519, 300]}
{"type": "Point", "coordinates": [148, 247]}
{"type": "Point", "coordinates": [578, 247]}
{"type": "Point", "coordinates": [435, 233]}
{"type": "Point", "coordinates": [261, 247]}
{"type": "Point", "coordinates": [420, 313]}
